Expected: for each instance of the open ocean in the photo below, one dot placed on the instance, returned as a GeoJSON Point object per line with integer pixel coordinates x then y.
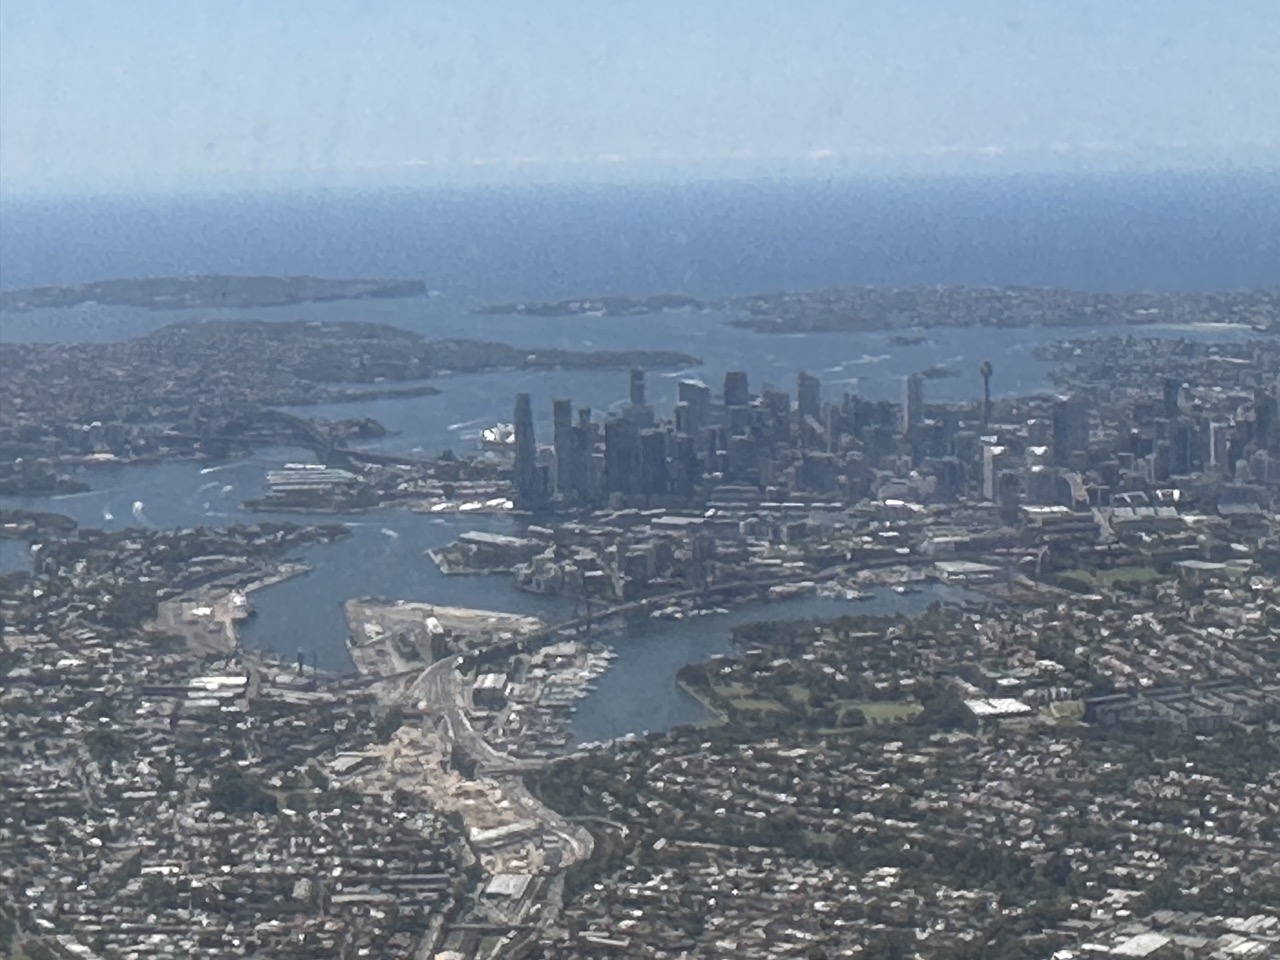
{"type": "Point", "coordinates": [1166, 232]}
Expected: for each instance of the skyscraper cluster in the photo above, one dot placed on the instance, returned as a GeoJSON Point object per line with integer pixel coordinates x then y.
{"type": "Point", "coordinates": [633, 458]}
{"type": "Point", "coordinates": [852, 448]}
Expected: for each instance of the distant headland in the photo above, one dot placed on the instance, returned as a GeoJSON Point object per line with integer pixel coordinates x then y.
{"type": "Point", "coordinates": [209, 388]}
{"type": "Point", "coordinates": [206, 291]}
{"type": "Point", "coordinates": [597, 306]}
{"type": "Point", "coordinates": [867, 309]}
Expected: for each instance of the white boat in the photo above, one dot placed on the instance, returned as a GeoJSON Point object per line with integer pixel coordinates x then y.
{"type": "Point", "coordinates": [501, 436]}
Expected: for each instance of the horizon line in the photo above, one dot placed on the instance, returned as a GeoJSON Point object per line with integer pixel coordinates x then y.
{"type": "Point", "coordinates": [985, 163]}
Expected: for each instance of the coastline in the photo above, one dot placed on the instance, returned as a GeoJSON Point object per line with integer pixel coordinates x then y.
{"type": "Point", "coordinates": [716, 718]}
{"type": "Point", "coordinates": [207, 618]}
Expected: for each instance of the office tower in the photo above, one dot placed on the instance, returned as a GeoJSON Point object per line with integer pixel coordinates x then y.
{"type": "Point", "coordinates": [965, 446]}
{"type": "Point", "coordinates": [584, 442]}
{"type": "Point", "coordinates": [949, 475]}
{"type": "Point", "coordinates": [562, 440]}
{"type": "Point", "coordinates": [1182, 449]}
{"type": "Point", "coordinates": [775, 416]}
{"type": "Point", "coordinates": [1161, 461]}
{"type": "Point", "coordinates": [1070, 430]}
{"type": "Point", "coordinates": [736, 392]}
{"type": "Point", "coordinates": [704, 551]}
{"type": "Point", "coordinates": [738, 420]}
{"type": "Point", "coordinates": [912, 403]}
{"type": "Point", "coordinates": [775, 403]}
{"type": "Point", "coordinates": [525, 475]}
{"type": "Point", "coordinates": [621, 455]}
{"type": "Point", "coordinates": [1040, 483]}
{"type": "Point", "coordinates": [698, 396]}
{"type": "Point", "coordinates": [809, 395]}
{"type": "Point", "coordinates": [653, 463]}
{"type": "Point", "coordinates": [684, 471]}
{"type": "Point", "coordinates": [1264, 415]}
{"type": "Point", "coordinates": [986, 371]}
{"type": "Point", "coordinates": [1219, 447]}
{"type": "Point", "coordinates": [993, 462]}
{"type": "Point", "coordinates": [1172, 391]}
{"type": "Point", "coordinates": [742, 459]}
{"type": "Point", "coordinates": [637, 387]}
{"type": "Point", "coordinates": [636, 410]}
{"type": "Point", "coordinates": [683, 415]}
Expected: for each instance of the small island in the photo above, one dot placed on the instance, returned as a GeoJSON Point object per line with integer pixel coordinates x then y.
{"type": "Point", "coordinates": [206, 291]}
{"type": "Point", "coordinates": [597, 306]}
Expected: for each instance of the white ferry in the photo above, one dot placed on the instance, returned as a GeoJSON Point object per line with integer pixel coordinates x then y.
{"type": "Point", "coordinates": [501, 436]}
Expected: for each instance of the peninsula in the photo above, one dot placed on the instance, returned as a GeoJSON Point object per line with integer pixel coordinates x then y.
{"type": "Point", "coordinates": [862, 309]}
{"type": "Point", "coordinates": [870, 309]}
{"type": "Point", "coordinates": [210, 290]}
{"type": "Point", "coordinates": [209, 388]}
{"type": "Point", "coordinates": [598, 306]}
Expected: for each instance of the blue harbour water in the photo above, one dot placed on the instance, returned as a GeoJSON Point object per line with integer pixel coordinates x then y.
{"type": "Point", "coordinates": [655, 650]}
{"type": "Point", "coordinates": [710, 240]}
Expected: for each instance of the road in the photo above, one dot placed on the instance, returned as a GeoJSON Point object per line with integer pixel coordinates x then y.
{"type": "Point", "coordinates": [441, 688]}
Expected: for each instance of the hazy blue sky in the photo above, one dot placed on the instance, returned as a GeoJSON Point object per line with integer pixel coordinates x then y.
{"type": "Point", "coordinates": [99, 94]}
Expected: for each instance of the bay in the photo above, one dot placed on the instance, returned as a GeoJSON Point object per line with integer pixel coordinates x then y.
{"type": "Point", "coordinates": [1186, 232]}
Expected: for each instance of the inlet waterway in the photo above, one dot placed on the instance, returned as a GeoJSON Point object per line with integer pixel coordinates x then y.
{"type": "Point", "coordinates": [638, 692]}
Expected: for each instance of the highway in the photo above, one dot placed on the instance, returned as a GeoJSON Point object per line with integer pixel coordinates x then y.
{"type": "Point", "coordinates": [442, 692]}
{"type": "Point", "coordinates": [441, 689]}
